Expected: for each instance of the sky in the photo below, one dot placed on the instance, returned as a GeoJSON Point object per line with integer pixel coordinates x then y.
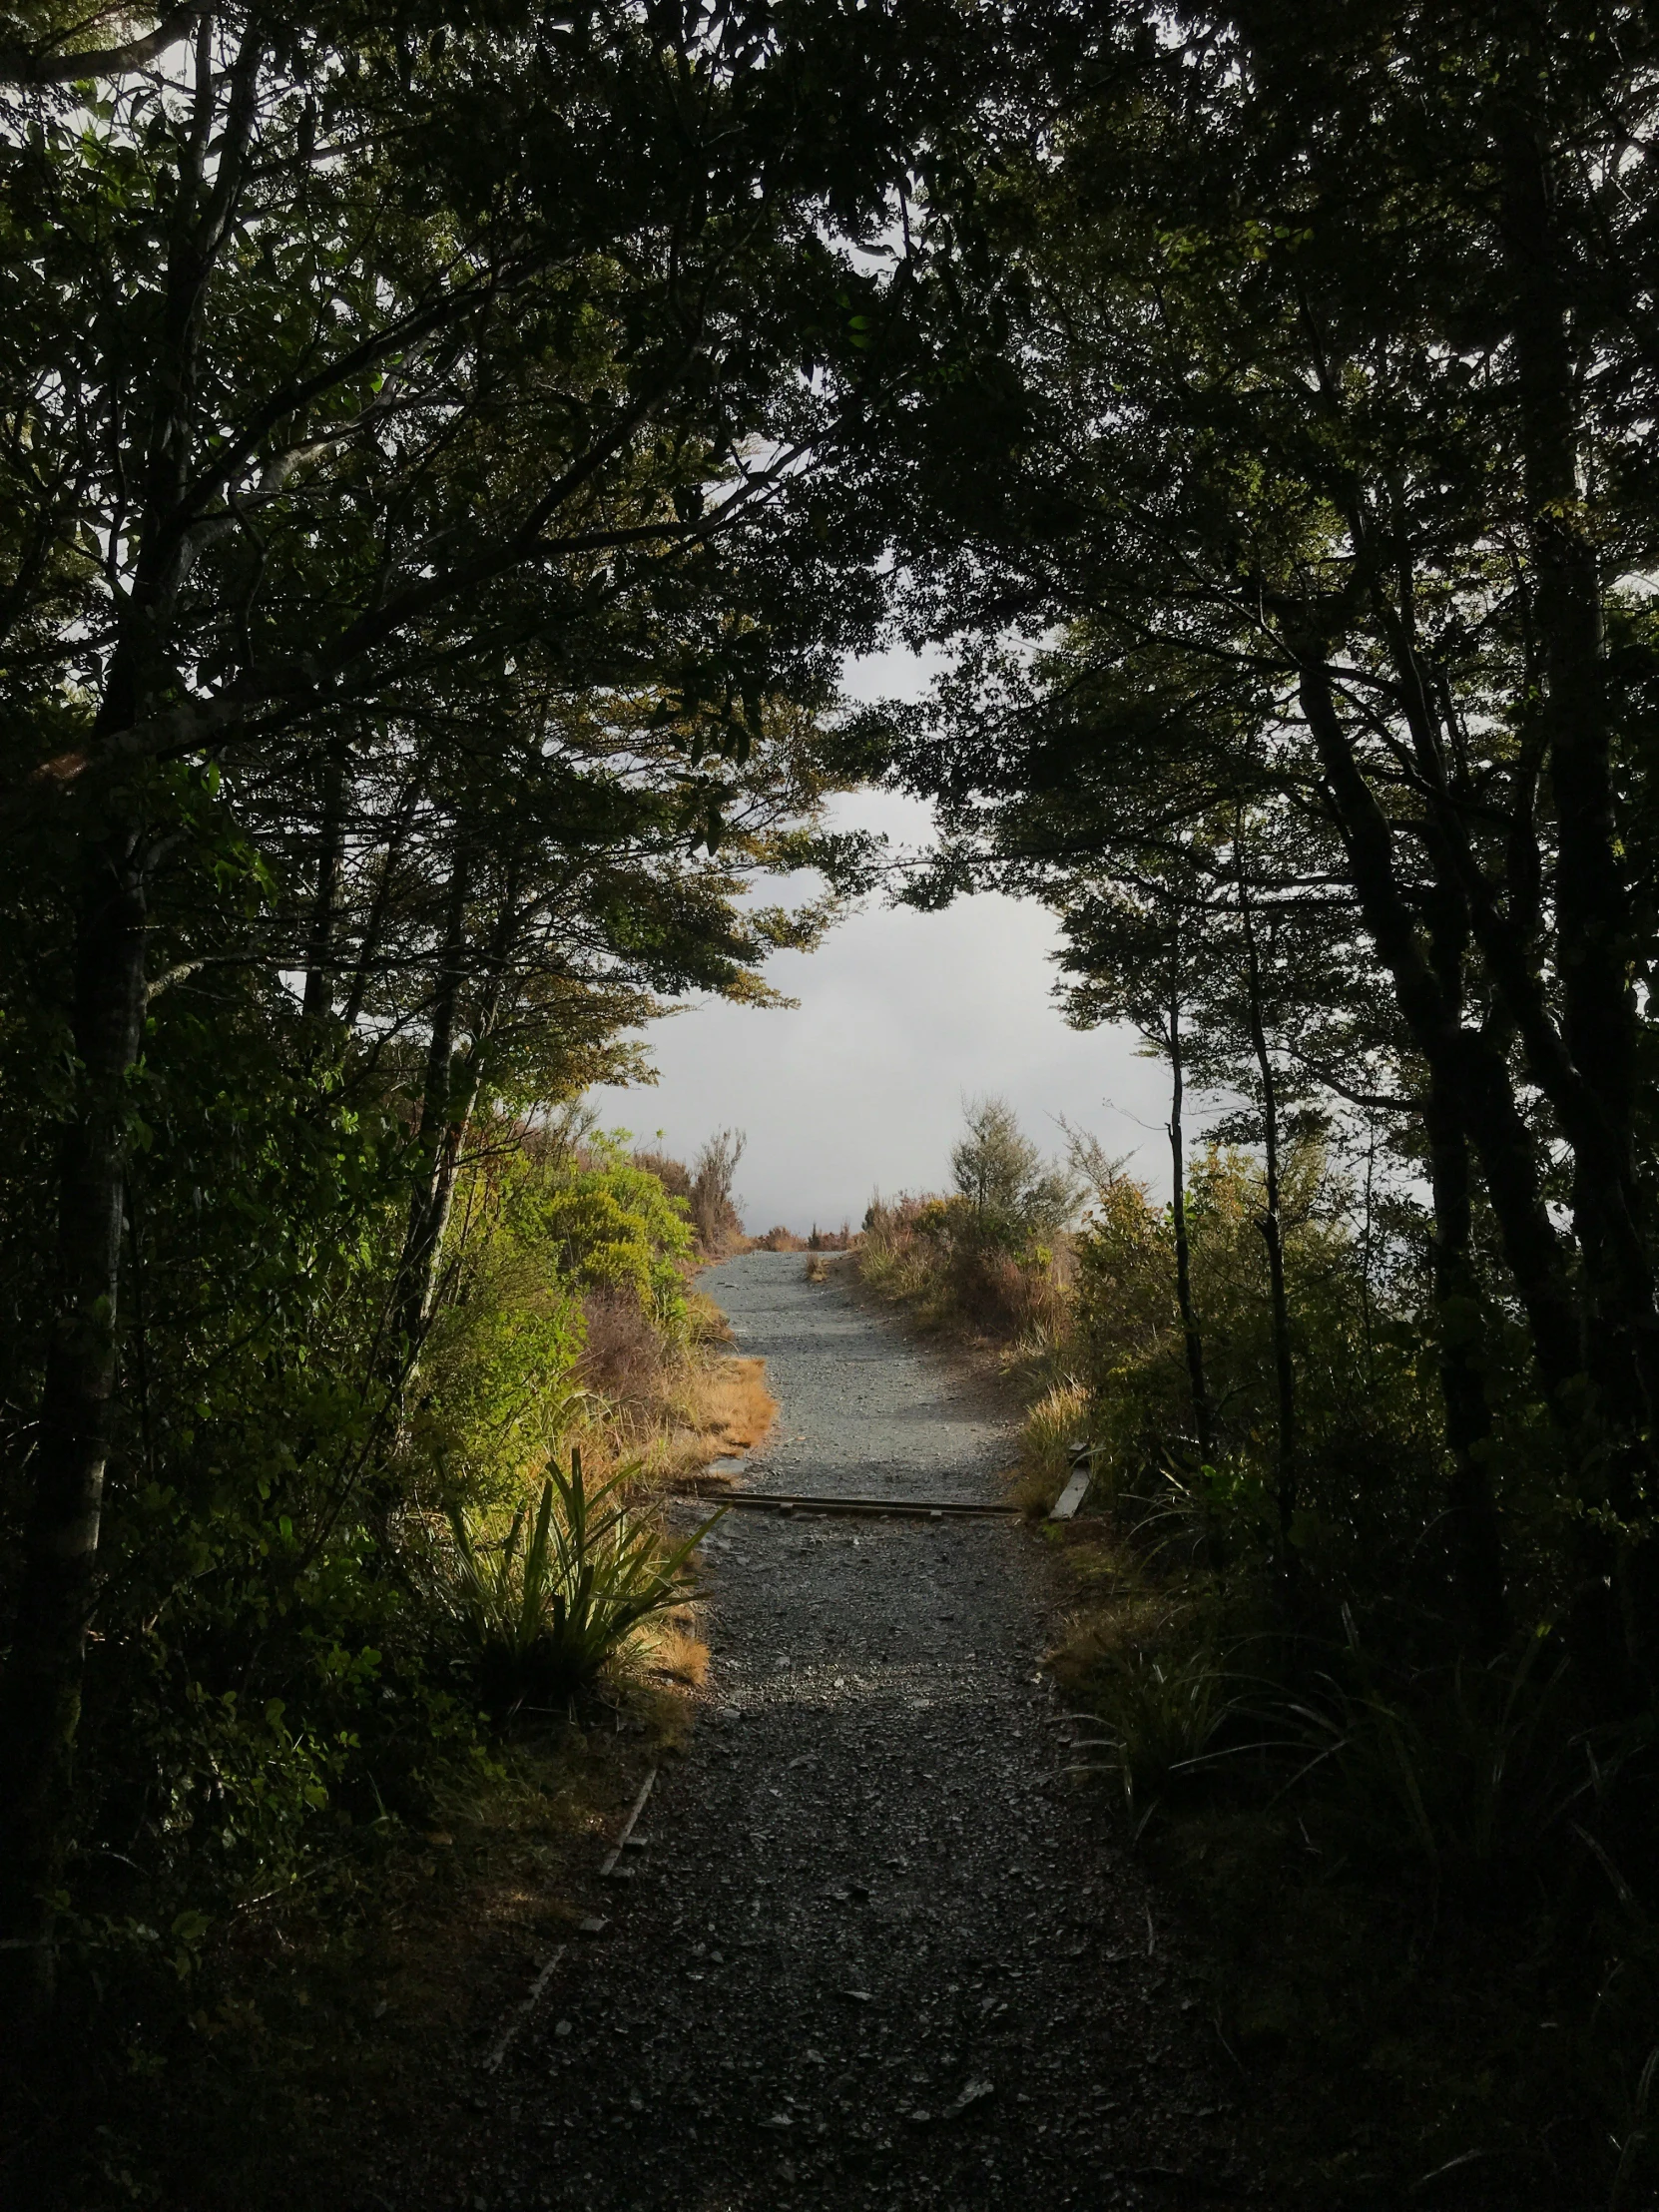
{"type": "Point", "coordinates": [901, 1017]}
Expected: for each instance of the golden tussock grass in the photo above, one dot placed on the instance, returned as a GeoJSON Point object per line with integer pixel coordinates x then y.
{"type": "Point", "coordinates": [721, 1406]}
{"type": "Point", "coordinates": [1095, 1634]}
{"type": "Point", "coordinates": [739, 1409]}
{"type": "Point", "coordinates": [674, 1652]}
{"type": "Point", "coordinates": [1057, 1422]}
{"type": "Point", "coordinates": [735, 1409]}
{"type": "Point", "coordinates": [833, 1261]}
{"type": "Point", "coordinates": [708, 1325]}
{"type": "Point", "coordinates": [670, 1409]}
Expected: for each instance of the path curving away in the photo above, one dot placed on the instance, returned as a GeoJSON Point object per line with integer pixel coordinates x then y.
{"type": "Point", "coordinates": [878, 1950]}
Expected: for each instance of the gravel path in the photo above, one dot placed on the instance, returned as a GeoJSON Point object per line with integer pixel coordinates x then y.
{"type": "Point", "coordinates": [877, 1950]}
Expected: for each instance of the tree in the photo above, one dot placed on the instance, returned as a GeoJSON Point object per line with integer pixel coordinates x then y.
{"type": "Point", "coordinates": [1014, 1193]}
{"type": "Point", "coordinates": [1327, 352]}
{"type": "Point", "coordinates": [353, 369]}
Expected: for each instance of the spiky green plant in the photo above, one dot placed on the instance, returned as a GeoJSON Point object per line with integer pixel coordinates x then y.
{"type": "Point", "coordinates": [1163, 1718]}
{"type": "Point", "coordinates": [1462, 1768]}
{"type": "Point", "coordinates": [541, 1616]}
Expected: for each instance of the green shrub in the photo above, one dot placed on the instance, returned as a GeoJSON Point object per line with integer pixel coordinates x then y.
{"type": "Point", "coordinates": [1468, 1769]}
{"type": "Point", "coordinates": [1165, 1715]}
{"type": "Point", "coordinates": [539, 1614]}
{"type": "Point", "coordinates": [1007, 1194]}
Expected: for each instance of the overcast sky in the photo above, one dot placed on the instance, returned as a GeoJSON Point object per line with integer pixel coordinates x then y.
{"type": "Point", "coordinates": [901, 1016]}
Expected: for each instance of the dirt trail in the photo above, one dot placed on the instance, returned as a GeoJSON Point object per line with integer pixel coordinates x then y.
{"type": "Point", "coordinates": [876, 1950]}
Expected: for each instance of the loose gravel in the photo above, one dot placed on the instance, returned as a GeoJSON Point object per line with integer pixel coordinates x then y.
{"type": "Point", "coordinates": [875, 1949]}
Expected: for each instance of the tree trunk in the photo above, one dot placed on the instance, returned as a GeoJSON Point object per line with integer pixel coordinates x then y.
{"type": "Point", "coordinates": [39, 1696]}
{"type": "Point", "coordinates": [1599, 1028]}
{"type": "Point", "coordinates": [1272, 1229]}
{"type": "Point", "coordinates": [1472, 1072]}
{"type": "Point", "coordinates": [1202, 1416]}
{"type": "Point", "coordinates": [331, 844]}
{"type": "Point", "coordinates": [451, 1090]}
{"type": "Point", "coordinates": [1477, 1536]}
{"type": "Point", "coordinates": [1477, 1541]}
{"type": "Point", "coordinates": [392, 846]}
{"type": "Point", "coordinates": [430, 1200]}
{"type": "Point", "coordinates": [1470, 1067]}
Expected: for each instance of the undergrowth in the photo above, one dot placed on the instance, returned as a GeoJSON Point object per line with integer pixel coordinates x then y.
{"type": "Point", "coordinates": [325, 1750]}
{"type": "Point", "coordinates": [320, 2047]}
{"type": "Point", "coordinates": [1418, 1863]}
{"type": "Point", "coordinates": [1416, 1888]}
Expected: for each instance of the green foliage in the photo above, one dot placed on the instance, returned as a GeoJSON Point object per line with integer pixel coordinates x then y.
{"type": "Point", "coordinates": [1475, 1770]}
{"type": "Point", "coordinates": [1012, 1198]}
{"type": "Point", "coordinates": [613, 1224]}
{"type": "Point", "coordinates": [1363, 1359]}
{"type": "Point", "coordinates": [991, 1257]}
{"type": "Point", "coordinates": [1166, 1715]}
{"type": "Point", "coordinates": [541, 1227]}
{"type": "Point", "coordinates": [430, 710]}
{"type": "Point", "coordinates": [539, 1619]}
{"type": "Point", "coordinates": [270, 1684]}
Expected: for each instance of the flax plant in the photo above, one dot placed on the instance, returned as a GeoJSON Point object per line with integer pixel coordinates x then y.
{"type": "Point", "coordinates": [542, 1613]}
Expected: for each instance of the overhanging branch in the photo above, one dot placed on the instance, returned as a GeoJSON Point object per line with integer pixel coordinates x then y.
{"type": "Point", "coordinates": [20, 67]}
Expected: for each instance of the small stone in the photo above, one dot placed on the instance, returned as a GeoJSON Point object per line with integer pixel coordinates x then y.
{"type": "Point", "coordinates": [561, 2027]}
{"type": "Point", "coordinates": [973, 2093]}
{"type": "Point", "coordinates": [592, 1924]}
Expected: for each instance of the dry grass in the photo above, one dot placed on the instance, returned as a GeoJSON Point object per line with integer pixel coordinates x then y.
{"type": "Point", "coordinates": [708, 1325]}
{"type": "Point", "coordinates": [1121, 1608]}
{"type": "Point", "coordinates": [671, 1174]}
{"type": "Point", "coordinates": [671, 1408]}
{"type": "Point", "coordinates": [625, 1357]}
{"type": "Point", "coordinates": [1057, 1421]}
{"type": "Point", "coordinates": [720, 1405]}
{"type": "Point", "coordinates": [977, 1294]}
{"type": "Point", "coordinates": [831, 1260]}
{"type": "Point", "coordinates": [736, 1409]}
{"type": "Point", "coordinates": [778, 1240]}
{"type": "Point", "coordinates": [705, 1190]}
{"type": "Point", "coordinates": [1106, 1629]}
{"type": "Point", "coordinates": [671, 1651]}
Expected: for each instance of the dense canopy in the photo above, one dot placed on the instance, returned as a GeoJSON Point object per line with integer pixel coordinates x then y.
{"type": "Point", "coordinates": [445, 456]}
